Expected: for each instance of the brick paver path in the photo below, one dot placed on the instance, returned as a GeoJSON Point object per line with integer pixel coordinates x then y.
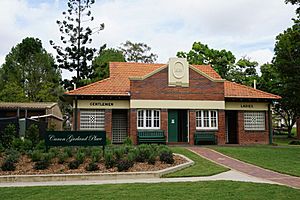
{"type": "Point", "coordinates": [246, 168]}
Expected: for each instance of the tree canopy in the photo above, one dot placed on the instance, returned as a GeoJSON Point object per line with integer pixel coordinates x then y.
{"type": "Point", "coordinates": [29, 74]}
{"type": "Point", "coordinates": [101, 62]}
{"type": "Point", "coordinates": [75, 54]}
{"type": "Point", "coordinates": [221, 60]}
{"type": "Point", "coordinates": [137, 52]}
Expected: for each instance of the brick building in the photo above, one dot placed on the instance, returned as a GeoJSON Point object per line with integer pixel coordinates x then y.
{"type": "Point", "coordinates": [179, 99]}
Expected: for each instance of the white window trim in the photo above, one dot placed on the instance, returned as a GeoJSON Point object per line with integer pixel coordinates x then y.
{"type": "Point", "coordinates": [144, 120]}
{"type": "Point", "coordinates": [202, 120]}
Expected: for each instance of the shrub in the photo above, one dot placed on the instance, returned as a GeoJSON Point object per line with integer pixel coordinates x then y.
{"type": "Point", "coordinates": [48, 156]}
{"type": "Point", "coordinates": [96, 155]}
{"type": "Point", "coordinates": [27, 145]}
{"type": "Point", "coordinates": [80, 156]}
{"type": "Point", "coordinates": [62, 157]}
{"type": "Point", "coordinates": [109, 160]}
{"type": "Point", "coordinates": [41, 165]}
{"type": "Point", "coordinates": [124, 164]}
{"type": "Point", "coordinates": [21, 145]}
{"type": "Point", "coordinates": [74, 164]}
{"type": "Point", "coordinates": [1, 148]}
{"type": "Point", "coordinates": [166, 157]}
{"type": "Point", "coordinates": [108, 141]}
{"type": "Point", "coordinates": [152, 159]}
{"type": "Point", "coordinates": [88, 151]}
{"type": "Point", "coordinates": [54, 151]}
{"type": "Point", "coordinates": [40, 146]}
{"type": "Point", "coordinates": [132, 154]}
{"type": "Point", "coordinates": [143, 153]}
{"type": "Point", "coordinates": [8, 165]}
{"type": "Point", "coordinates": [36, 155]}
{"type": "Point", "coordinates": [128, 141]}
{"type": "Point", "coordinates": [12, 155]}
{"type": "Point", "coordinates": [7, 135]}
{"type": "Point", "coordinates": [92, 167]}
{"type": "Point", "coordinates": [68, 150]}
{"type": "Point", "coordinates": [119, 152]}
{"type": "Point", "coordinates": [32, 133]}
{"type": "Point", "coordinates": [295, 142]}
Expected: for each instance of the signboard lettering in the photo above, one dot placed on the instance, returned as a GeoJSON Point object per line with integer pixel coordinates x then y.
{"type": "Point", "coordinates": [101, 104]}
{"type": "Point", "coordinates": [246, 106]}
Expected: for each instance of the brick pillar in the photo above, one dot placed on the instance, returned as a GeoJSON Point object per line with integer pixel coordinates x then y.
{"type": "Point", "coordinates": [164, 122]}
{"type": "Point", "coordinates": [133, 125]}
{"type": "Point", "coordinates": [298, 128]}
{"type": "Point", "coordinates": [108, 123]}
{"type": "Point", "coordinates": [240, 127]}
{"type": "Point", "coordinates": [192, 125]}
{"type": "Point", "coordinates": [221, 134]}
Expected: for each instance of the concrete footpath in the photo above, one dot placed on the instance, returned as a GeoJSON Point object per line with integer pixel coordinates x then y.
{"type": "Point", "coordinates": [249, 169]}
{"type": "Point", "coordinates": [229, 175]}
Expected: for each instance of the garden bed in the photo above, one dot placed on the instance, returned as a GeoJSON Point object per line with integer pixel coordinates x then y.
{"type": "Point", "coordinates": [26, 167]}
{"type": "Point", "coordinates": [22, 159]}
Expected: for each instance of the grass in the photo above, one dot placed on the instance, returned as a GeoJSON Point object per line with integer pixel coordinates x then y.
{"type": "Point", "coordinates": [283, 159]}
{"type": "Point", "coordinates": [283, 140]}
{"type": "Point", "coordinates": [188, 190]}
{"type": "Point", "coordinates": [202, 167]}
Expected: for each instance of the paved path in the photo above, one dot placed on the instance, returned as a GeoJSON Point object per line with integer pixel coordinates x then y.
{"type": "Point", "coordinates": [229, 175]}
{"type": "Point", "coordinates": [246, 168]}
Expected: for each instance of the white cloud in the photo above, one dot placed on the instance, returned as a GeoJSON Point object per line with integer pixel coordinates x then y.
{"type": "Point", "coordinates": [245, 27]}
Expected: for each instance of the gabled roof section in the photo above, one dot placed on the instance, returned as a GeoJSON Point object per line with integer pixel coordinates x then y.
{"type": "Point", "coordinates": [235, 90]}
{"type": "Point", "coordinates": [33, 105]}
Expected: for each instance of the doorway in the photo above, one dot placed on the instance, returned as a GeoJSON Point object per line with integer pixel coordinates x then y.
{"type": "Point", "coordinates": [119, 126]}
{"type": "Point", "coordinates": [231, 127]}
{"type": "Point", "coordinates": [177, 126]}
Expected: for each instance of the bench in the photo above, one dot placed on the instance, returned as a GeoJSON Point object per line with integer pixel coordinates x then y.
{"type": "Point", "coordinates": [151, 136]}
{"type": "Point", "coordinates": [205, 137]}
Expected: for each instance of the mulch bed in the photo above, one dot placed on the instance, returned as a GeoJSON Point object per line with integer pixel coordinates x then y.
{"type": "Point", "coordinates": [25, 167]}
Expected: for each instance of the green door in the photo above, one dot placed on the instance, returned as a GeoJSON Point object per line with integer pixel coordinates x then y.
{"type": "Point", "coordinates": [172, 126]}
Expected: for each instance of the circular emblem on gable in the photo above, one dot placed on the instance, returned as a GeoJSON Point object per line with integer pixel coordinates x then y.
{"type": "Point", "coordinates": [178, 70]}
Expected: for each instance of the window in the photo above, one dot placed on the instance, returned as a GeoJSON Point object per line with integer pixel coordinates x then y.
{"type": "Point", "coordinates": [207, 119]}
{"type": "Point", "coordinates": [148, 119]}
{"type": "Point", "coordinates": [254, 121]}
{"type": "Point", "coordinates": [92, 120]}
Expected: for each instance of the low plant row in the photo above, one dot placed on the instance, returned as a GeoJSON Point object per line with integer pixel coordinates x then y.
{"type": "Point", "coordinates": [121, 157]}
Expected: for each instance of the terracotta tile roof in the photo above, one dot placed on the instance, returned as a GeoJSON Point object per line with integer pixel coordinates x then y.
{"type": "Point", "coordinates": [118, 84]}
{"type": "Point", "coordinates": [34, 105]}
{"type": "Point", "coordinates": [207, 69]}
{"type": "Point", "coordinates": [235, 90]}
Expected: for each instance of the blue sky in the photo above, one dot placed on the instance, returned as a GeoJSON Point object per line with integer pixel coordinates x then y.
{"type": "Point", "coordinates": [245, 27]}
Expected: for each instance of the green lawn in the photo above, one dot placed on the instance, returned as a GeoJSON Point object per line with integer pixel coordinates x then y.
{"type": "Point", "coordinates": [282, 159]}
{"type": "Point", "coordinates": [202, 167]}
{"type": "Point", "coordinates": [283, 140]}
{"type": "Point", "coordinates": [197, 190]}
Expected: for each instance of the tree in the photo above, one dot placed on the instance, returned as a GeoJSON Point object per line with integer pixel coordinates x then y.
{"type": "Point", "coordinates": [137, 52]}
{"type": "Point", "coordinates": [244, 72]}
{"type": "Point", "coordinates": [221, 60]}
{"type": "Point", "coordinates": [101, 62]}
{"type": "Point", "coordinates": [75, 54]}
{"type": "Point", "coordinates": [29, 74]}
{"type": "Point", "coordinates": [287, 65]}
{"type": "Point", "coordinates": [295, 2]}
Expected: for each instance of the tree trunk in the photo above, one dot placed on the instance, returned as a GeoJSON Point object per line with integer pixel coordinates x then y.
{"type": "Point", "coordinates": [290, 131]}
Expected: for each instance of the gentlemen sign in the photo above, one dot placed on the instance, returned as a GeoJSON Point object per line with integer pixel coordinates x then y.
{"type": "Point", "coordinates": [102, 104]}
{"type": "Point", "coordinates": [75, 138]}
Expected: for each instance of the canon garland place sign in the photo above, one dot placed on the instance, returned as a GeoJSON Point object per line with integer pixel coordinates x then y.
{"type": "Point", "coordinates": [75, 138]}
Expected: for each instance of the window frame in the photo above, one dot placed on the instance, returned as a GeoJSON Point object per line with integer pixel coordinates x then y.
{"type": "Point", "coordinates": [87, 113]}
{"type": "Point", "coordinates": [210, 118]}
{"type": "Point", "coordinates": [145, 118]}
{"type": "Point", "coordinates": [247, 128]}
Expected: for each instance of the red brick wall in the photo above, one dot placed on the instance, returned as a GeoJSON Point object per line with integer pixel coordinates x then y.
{"type": "Point", "coordinates": [156, 88]}
{"type": "Point", "coordinates": [252, 137]}
{"type": "Point", "coordinates": [133, 125]}
{"type": "Point", "coordinates": [298, 128]}
{"type": "Point", "coordinates": [221, 134]}
{"type": "Point", "coordinates": [192, 125]}
{"type": "Point", "coordinates": [108, 123]}
{"type": "Point", "coordinates": [164, 121]}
